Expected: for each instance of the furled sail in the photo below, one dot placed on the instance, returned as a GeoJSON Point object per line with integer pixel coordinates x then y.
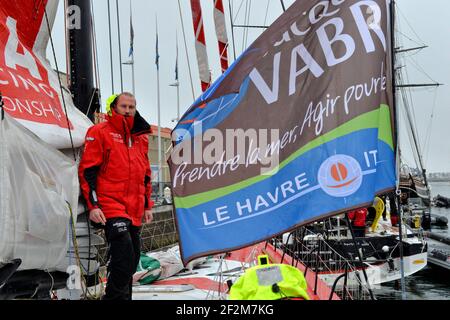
{"type": "Point", "coordinates": [30, 87]}
{"type": "Point", "coordinates": [221, 31]}
{"type": "Point", "coordinates": [200, 44]}
{"type": "Point", "coordinates": [300, 128]}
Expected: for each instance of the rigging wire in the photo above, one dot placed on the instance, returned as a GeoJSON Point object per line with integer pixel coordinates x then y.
{"type": "Point", "coordinates": [186, 50]}
{"type": "Point", "coordinates": [407, 111]}
{"type": "Point", "coordinates": [232, 28]}
{"type": "Point", "coordinates": [407, 37]}
{"type": "Point", "coordinates": [60, 84]}
{"type": "Point", "coordinates": [283, 6]}
{"type": "Point", "coordinates": [411, 132]}
{"type": "Point", "coordinates": [417, 66]}
{"type": "Point", "coordinates": [411, 117]}
{"type": "Point", "coordinates": [433, 110]}
{"type": "Point", "coordinates": [239, 9]}
{"type": "Point", "coordinates": [247, 23]}
{"type": "Point", "coordinates": [410, 104]}
{"type": "Point", "coordinates": [73, 233]}
{"type": "Point", "coordinates": [76, 250]}
{"type": "Point", "coordinates": [410, 26]}
{"type": "Point", "coordinates": [429, 134]}
{"type": "Point", "coordinates": [267, 12]}
{"type": "Point", "coordinates": [409, 129]}
{"type": "Point", "coordinates": [411, 53]}
{"type": "Point", "coordinates": [110, 47]}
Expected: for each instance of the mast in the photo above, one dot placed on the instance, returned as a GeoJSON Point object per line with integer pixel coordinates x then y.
{"type": "Point", "coordinates": [85, 95]}
{"type": "Point", "coordinates": [398, 192]}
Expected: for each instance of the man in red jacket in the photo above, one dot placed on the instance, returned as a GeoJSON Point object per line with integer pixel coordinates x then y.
{"type": "Point", "coordinates": [115, 179]}
{"type": "Point", "coordinates": [358, 219]}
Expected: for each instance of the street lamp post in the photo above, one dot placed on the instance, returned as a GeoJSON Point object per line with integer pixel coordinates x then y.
{"type": "Point", "coordinates": [131, 63]}
{"type": "Point", "coordinates": [177, 85]}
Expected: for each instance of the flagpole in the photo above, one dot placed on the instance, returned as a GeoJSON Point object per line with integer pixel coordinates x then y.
{"type": "Point", "coordinates": [110, 47]}
{"type": "Point", "coordinates": [178, 100]}
{"type": "Point", "coordinates": [132, 74]}
{"type": "Point", "coordinates": [177, 83]}
{"type": "Point", "coordinates": [159, 136]}
{"type": "Point", "coordinates": [120, 46]}
{"type": "Point", "coordinates": [132, 52]}
{"type": "Point", "coordinates": [159, 113]}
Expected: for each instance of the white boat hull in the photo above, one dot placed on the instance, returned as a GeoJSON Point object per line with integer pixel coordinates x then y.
{"type": "Point", "coordinates": [382, 273]}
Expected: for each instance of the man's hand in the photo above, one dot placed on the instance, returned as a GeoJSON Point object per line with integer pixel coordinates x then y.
{"type": "Point", "coordinates": [148, 216]}
{"type": "Point", "coordinates": [97, 216]}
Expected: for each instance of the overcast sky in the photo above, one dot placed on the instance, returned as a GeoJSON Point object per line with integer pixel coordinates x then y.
{"type": "Point", "coordinates": [420, 22]}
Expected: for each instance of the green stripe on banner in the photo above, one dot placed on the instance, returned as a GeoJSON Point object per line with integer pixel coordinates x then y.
{"type": "Point", "coordinates": [379, 118]}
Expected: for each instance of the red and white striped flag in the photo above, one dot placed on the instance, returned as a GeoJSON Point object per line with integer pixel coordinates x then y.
{"type": "Point", "coordinates": [200, 45]}
{"type": "Point", "coordinates": [221, 31]}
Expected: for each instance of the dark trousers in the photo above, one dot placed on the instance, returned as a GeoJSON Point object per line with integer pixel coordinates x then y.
{"type": "Point", "coordinates": [359, 232]}
{"type": "Point", "coordinates": [124, 248]}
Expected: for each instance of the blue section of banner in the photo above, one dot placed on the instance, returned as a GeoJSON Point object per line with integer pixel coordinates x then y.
{"type": "Point", "coordinates": [212, 89]}
{"type": "Point", "coordinates": [336, 176]}
{"type": "Point", "coordinates": [212, 114]}
{"type": "Point", "coordinates": [200, 118]}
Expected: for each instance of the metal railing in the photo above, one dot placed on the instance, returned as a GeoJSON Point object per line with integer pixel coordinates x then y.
{"type": "Point", "coordinates": [318, 256]}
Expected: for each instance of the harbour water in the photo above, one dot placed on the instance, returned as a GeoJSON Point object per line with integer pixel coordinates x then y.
{"type": "Point", "coordinates": [431, 283]}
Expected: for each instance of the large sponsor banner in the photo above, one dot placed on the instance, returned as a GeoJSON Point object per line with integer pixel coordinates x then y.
{"type": "Point", "coordinates": [30, 88]}
{"type": "Point", "coordinates": [299, 128]}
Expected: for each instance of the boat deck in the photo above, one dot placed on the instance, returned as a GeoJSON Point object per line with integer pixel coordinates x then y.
{"type": "Point", "coordinates": [438, 254]}
{"type": "Point", "coordinates": [209, 280]}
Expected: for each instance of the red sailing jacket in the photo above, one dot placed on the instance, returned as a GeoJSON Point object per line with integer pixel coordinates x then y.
{"type": "Point", "coordinates": [114, 171]}
{"type": "Point", "coordinates": [358, 217]}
